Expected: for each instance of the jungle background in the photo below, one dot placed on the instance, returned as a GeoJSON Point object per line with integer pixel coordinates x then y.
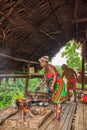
{"type": "Point", "coordinates": [11, 90]}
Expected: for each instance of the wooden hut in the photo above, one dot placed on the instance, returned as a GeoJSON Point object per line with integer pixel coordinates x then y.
{"type": "Point", "coordinates": [30, 29]}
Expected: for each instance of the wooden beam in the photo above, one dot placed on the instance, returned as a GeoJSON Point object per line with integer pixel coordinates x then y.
{"type": "Point", "coordinates": [80, 20]}
{"type": "Point", "coordinates": [75, 9]}
{"type": "Point", "coordinates": [75, 15]}
{"type": "Point", "coordinates": [20, 76]}
{"type": "Point", "coordinates": [17, 59]}
{"type": "Point", "coordinates": [86, 32]}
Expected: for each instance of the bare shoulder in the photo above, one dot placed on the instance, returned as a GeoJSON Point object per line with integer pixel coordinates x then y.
{"type": "Point", "coordinates": [70, 70]}
{"type": "Point", "coordinates": [50, 66]}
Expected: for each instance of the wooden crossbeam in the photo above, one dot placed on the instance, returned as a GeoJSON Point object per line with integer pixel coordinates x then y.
{"type": "Point", "coordinates": [80, 20]}
{"type": "Point", "coordinates": [20, 76]}
{"type": "Point", "coordinates": [17, 59]}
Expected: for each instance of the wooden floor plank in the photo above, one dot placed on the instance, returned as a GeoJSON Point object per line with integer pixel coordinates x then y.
{"type": "Point", "coordinates": [68, 121]}
{"type": "Point", "coordinates": [81, 117]}
{"type": "Point", "coordinates": [66, 116]}
{"type": "Point", "coordinates": [49, 124]}
{"type": "Point", "coordinates": [85, 117]}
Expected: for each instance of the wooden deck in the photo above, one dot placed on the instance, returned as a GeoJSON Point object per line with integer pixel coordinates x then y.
{"type": "Point", "coordinates": [65, 123]}
{"type": "Point", "coordinates": [81, 117]}
{"type": "Point", "coordinates": [73, 117]}
{"type": "Point", "coordinates": [66, 119]}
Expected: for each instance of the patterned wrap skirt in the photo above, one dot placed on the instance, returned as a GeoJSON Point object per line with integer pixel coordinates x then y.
{"type": "Point", "coordinates": [59, 94]}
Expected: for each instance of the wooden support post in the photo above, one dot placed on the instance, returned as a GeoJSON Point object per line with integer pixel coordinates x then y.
{"type": "Point", "coordinates": [26, 87]}
{"type": "Point", "coordinates": [14, 80]}
{"type": "Point", "coordinates": [0, 80]}
{"type": "Point", "coordinates": [26, 84]}
{"type": "Point", "coordinates": [6, 82]}
{"type": "Point", "coordinates": [80, 20]}
{"type": "Point", "coordinates": [83, 62]}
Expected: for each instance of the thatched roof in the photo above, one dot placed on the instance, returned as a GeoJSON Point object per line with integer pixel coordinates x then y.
{"type": "Point", "coordinates": [32, 28]}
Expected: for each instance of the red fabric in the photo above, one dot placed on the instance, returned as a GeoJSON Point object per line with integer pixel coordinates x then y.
{"type": "Point", "coordinates": [84, 98]}
{"type": "Point", "coordinates": [49, 75]}
{"type": "Point", "coordinates": [71, 83]}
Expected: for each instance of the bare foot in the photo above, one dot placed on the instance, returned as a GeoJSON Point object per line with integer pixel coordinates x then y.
{"type": "Point", "coordinates": [56, 119]}
{"type": "Point", "coordinates": [53, 116]}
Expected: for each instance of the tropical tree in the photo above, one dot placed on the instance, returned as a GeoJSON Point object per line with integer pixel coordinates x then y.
{"type": "Point", "coordinates": [72, 54]}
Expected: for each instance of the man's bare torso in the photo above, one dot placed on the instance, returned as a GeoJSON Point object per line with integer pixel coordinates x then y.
{"type": "Point", "coordinates": [68, 73]}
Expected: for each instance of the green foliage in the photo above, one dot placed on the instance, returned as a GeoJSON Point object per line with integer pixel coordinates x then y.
{"type": "Point", "coordinates": [34, 83]}
{"type": "Point", "coordinates": [10, 92]}
{"type": "Point", "coordinates": [72, 56]}
{"type": "Point", "coordinates": [59, 70]}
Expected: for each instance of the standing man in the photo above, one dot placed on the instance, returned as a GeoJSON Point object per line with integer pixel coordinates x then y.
{"type": "Point", "coordinates": [71, 77]}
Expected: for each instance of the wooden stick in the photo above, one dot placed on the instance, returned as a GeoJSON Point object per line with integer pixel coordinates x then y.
{"type": "Point", "coordinates": [37, 93]}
